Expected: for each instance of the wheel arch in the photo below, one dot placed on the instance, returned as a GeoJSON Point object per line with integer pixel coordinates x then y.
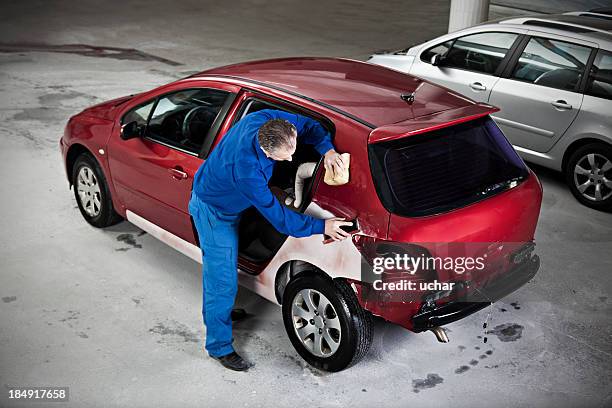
{"type": "Point", "coordinates": [577, 144]}
{"type": "Point", "coordinates": [290, 270]}
{"type": "Point", "coordinates": [354, 330]}
{"type": "Point", "coordinates": [72, 154]}
{"type": "Point", "coordinates": [74, 151]}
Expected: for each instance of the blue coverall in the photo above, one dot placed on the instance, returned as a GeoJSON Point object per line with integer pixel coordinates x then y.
{"type": "Point", "coordinates": [233, 178]}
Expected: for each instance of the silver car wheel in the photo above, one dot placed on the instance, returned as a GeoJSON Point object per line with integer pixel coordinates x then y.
{"type": "Point", "coordinates": [590, 177]}
{"type": "Point", "coordinates": [316, 322]}
{"type": "Point", "coordinates": [88, 190]}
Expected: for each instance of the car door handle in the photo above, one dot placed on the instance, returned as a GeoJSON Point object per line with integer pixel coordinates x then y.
{"type": "Point", "coordinates": [560, 104]}
{"type": "Point", "coordinates": [477, 86]}
{"type": "Point", "coordinates": [177, 173]}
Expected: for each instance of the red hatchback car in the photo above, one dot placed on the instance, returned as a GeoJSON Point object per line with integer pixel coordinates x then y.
{"type": "Point", "coordinates": [430, 175]}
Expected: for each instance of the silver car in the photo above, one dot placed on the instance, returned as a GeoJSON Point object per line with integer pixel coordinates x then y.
{"type": "Point", "coordinates": [552, 78]}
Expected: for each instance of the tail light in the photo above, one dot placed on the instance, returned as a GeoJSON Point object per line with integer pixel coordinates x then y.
{"type": "Point", "coordinates": [372, 248]}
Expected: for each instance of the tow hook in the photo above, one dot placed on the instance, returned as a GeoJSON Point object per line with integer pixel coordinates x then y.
{"type": "Point", "coordinates": [440, 334]}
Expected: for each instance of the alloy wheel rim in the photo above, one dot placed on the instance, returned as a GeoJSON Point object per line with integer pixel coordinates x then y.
{"type": "Point", "coordinates": [316, 322]}
{"type": "Point", "coordinates": [88, 190]}
{"type": "Point", "coordinates": [593, 177]}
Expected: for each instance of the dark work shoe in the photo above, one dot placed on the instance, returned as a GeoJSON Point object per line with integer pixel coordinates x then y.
{"type": "Point", "coordinates": [233, 361]}
{"type": "Point", "coordinates": [239, 314]}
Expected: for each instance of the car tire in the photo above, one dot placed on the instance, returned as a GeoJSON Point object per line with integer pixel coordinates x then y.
{"type": "Point", "coordinates": [343, 326]}
{"type": "Point", "coordinates": [588, 170]}
{"type": "Point", "coordinates": [92, 194]}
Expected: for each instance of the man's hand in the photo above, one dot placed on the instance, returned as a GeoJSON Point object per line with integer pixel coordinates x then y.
{"type": "Point", "coordinates": [333, 162]}
{"type": "Point", "coordinates": [332, 228]}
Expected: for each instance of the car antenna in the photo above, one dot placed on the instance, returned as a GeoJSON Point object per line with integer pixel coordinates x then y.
{"type": "Point", "coordinates": [408, 98]}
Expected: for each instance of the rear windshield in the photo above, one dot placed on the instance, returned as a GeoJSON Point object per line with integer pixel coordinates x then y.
{"type": "Point", "coordinates": [445, 169]}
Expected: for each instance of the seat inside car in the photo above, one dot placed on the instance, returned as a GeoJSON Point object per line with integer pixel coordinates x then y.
{"type": "Point", "coordinates": [563, 78]}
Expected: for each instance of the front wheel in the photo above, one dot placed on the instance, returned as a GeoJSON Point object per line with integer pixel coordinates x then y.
{"type": "Point", "coordinates": [325, 322]}
{"type": "Point", "coordinates": [92, 193]}
{"type": "Point", "coordinates": [589, 175]}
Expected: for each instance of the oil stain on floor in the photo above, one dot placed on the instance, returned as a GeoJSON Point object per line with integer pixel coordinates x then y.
{"type": "Point", "coordinates": [86, 51]}
{"type": "Point", "coordinates": [462, 369]}
{"type": "Point", "coordinates": [172, 331]}
{"type": "Point", "coordinates": [507, 332]}
{"type": "Point", "coordinates": [431, 381]}
{"type": "Point", "coordinates": [129, 240]}
{"type": "Point", "coordinates": [474, 362]}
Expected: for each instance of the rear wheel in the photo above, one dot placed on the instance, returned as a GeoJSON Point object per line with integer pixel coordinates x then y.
{"type": "Point", "coordinates": [589, 175]}
{"type": "Point", "coordinates": [92, 193]}
{"type": "Point", "coordinates": [325, 322]}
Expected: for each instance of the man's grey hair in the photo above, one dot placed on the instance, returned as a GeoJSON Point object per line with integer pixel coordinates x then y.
{"type": "Point", "coordinates": [276, 133]}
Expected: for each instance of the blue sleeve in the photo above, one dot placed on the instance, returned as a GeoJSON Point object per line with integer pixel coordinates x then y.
{"type": "Point", "coordinates": [309, 130]}
{"type": "Point", "coordinates": [255, 189]}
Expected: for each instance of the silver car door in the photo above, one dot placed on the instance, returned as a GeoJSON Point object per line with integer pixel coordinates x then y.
{"type": "Point", "coordinates": [469, 64]}
{"type": "Point", "coordinates": [592, 173]}
{"type": "Point", "coordinates": [539, 95]}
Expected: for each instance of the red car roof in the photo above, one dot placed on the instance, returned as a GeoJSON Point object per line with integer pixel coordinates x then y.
{"type": "Point", "coordinates": [370, 93]}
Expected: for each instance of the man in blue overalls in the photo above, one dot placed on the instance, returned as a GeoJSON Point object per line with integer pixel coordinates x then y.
{"type": "Point", "coordinates": [233, 178]}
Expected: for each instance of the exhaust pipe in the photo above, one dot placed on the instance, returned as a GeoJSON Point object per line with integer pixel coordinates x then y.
{"type": "Point", "coordinates": [440, 334]}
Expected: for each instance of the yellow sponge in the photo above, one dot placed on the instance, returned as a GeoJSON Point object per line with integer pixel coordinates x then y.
{"type": "Point", "coordinates": [342, 177]}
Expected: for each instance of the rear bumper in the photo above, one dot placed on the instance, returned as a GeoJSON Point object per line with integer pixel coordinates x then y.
{"type": "Point", "coordinates": [452, 311]}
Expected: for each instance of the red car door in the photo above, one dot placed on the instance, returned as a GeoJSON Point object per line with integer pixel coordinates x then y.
{"type": "Point", "coordinates": [153, 174]}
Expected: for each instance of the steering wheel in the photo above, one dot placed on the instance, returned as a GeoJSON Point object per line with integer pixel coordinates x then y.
{"type": "Point", "coordinates": [170, 127]}
{"type": "Point", "coordinates": [199, 113]}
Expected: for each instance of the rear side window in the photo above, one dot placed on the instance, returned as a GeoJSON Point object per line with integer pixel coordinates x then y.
{"type": "Point", "coordinates": [552, 63]}
{"type": "Point", "coordinates": [481, 52]}
{"type": "Point", "coordinates": [446, 169]}
{"type": "Point", "coordinates": [254, 105]}
{"type": "Point", "coordinates": [600, 78]}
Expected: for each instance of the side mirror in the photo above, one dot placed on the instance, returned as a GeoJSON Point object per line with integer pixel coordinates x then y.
{"type": "Point", "coordinates": [436, 60]}
{"type": "Point", "coordinates": [131, 130]}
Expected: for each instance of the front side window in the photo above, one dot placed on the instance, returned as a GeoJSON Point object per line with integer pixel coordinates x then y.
{"type": "Point", "coordinates": [139, 114]}
{"type": "Point", "coordinates": [600, 78]}
{"type": "Point", "coordinates": [552, 63]}
{"type": "Point", "coordinates": [481, 52]}
{"type": "Point", "coordinates": [440, 49]}
{"type": "Point", "coordinates": [182, 119]}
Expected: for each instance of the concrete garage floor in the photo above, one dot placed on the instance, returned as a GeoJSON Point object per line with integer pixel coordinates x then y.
{"type": "Point", "coordinates": [114, 314]}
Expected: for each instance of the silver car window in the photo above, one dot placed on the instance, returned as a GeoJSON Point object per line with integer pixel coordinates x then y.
{"type": "Point", "coordinates": [600, 78]}
{"type": "Point", "coordinates": [482, 52]}
{"type": "Point", "coordinates": [440, 49]}
{"type": "Point", "coordinates": [552, 63]}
